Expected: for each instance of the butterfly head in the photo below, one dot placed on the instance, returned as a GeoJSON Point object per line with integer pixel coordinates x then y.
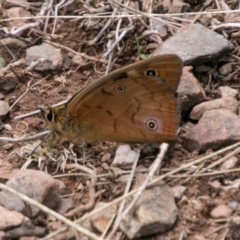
{"type": "Point", "coordinates": [56, 117]}
{"type": "Point", "coordinates": [48, 114]}
{"type": "Point", "coordinates": [61, 124]}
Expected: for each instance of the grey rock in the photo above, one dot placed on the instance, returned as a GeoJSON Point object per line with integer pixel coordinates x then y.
{"type": "Point", "coordinates": [234, 205]}
{"type": "Point", "coordinates": [124, 157]}
{"type": "Point", "coordinates": [154, 213]}
{"type": "Point", "coordinates": [195, 44]}
{"type": "Point", "coordinates": [161, 28]}
{"type": "Point", "coordinates": [53, 56]}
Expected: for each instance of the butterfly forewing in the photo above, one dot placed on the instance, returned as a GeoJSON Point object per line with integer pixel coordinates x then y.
{"type": "Point", "coordinates": [128, 105]}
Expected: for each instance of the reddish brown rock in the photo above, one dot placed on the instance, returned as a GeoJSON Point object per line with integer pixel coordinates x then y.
{"type": "Point", "coordinates": [229, 103]}
{"type": "Point", "coordinates": [230, 163]}
{"type": "Point", "coordinates": [18, 13]}
{"type": "Point", "coordinates": [189, 91]}
{"type": "Point", "coordinates": [36, 184]}
{"type": "Point", "coordinates": [2, 235]}
{"type": "Point", "coordinates": [100, 220]}
{"type": "Point", "coordinates": [216, 129]}
{"type": "Point", "coordinates": [222, 211]}
{"type": "Point", "coordinates": [227, 91]}
{"type": "Point", "coordinates": [10, 219]}
{"type": "Point", "coordinates": [226, 69]}
{"type": "Point", "coordinates": [6, 171]}
{"type": "Point", "coordinates": [178, 6]}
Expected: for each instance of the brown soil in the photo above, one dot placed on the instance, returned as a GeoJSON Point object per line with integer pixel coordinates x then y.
{"type": "Point", "coordinates": [199, 199]}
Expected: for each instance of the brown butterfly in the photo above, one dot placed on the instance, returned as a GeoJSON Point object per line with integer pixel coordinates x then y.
{"type": "Point", "coordinates": [133, 104]}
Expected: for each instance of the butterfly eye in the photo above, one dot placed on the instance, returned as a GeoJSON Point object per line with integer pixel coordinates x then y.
{"type": "Point", "coordinates": [50, 116]}
{"type": "Point", "coordinates": [151, 125]}
{"type": "Point", "coordinates": [120, 88]}
{"type": "Point", "coordinates": [151, 73]}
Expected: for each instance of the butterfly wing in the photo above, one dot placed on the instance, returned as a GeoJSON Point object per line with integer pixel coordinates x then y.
{"type": "Point", "coordinates": [134, 104]}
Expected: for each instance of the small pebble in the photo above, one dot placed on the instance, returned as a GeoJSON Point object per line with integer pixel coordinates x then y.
{"type": "Point", "coordinates": [222, 211]}
{"type": "Point", "coordinates": [227, 91]}
{"type": "Point", "coordinates": [7, 146]}
{"type": "Point", "coordinates": [234, 205]}
{"type": "Point", "coordinates": [105, 157]}
{"type": "Point", "coordinates": [229, 164]}
{"type": "Point", "coordinates": [216, 185]}
{"type": "Point", "coordinates": [105, 166]}
{"type": "Point", "coordinates": [226, 69]}
{"type": "Point", "coordinates": [4, 108]}
{"type": "Point", "coordinates": [178, 191]}
{"type": "Point", "coordinates": [125, 156]}
{"type": "Point", "coordinates": [197, 237]}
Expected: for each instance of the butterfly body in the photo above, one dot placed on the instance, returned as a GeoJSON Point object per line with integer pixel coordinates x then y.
{"type": "Point", "coordinates": [133, 104]}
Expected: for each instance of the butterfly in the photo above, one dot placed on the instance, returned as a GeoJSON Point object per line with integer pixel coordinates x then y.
{"type": "Point", "coordinates": [133, 104]}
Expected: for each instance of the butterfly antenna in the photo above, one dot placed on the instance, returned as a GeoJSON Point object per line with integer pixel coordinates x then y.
{"type": "Point", "coordinates": [28, 89]}
{"type": "Point", "coordinates": [19, 78]}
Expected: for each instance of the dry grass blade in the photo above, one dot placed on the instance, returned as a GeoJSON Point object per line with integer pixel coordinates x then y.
{"type": "Point", "coordinates": [155, 167]}
{"type": "Point", "coordinates": [83, 55]}
{"type": "Point", "coordinates": [197, 175]}
{"type": "Point", "coordinates": [25, 138]}
{"type": "Point", "coordinates": [10, 66]}
{"type": "Point", "coordinates": [122, 204]}
{"type": "Point", "coordinates": [150, 16]}
{"type": "Point", "coordinates": [38, 111]}
{"type": "Point", "coordinates": [137, 14]}
{"type": "Point", "coordinates": [100, 34]}
{"type": "Point", "coordinates": [233, 153]}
